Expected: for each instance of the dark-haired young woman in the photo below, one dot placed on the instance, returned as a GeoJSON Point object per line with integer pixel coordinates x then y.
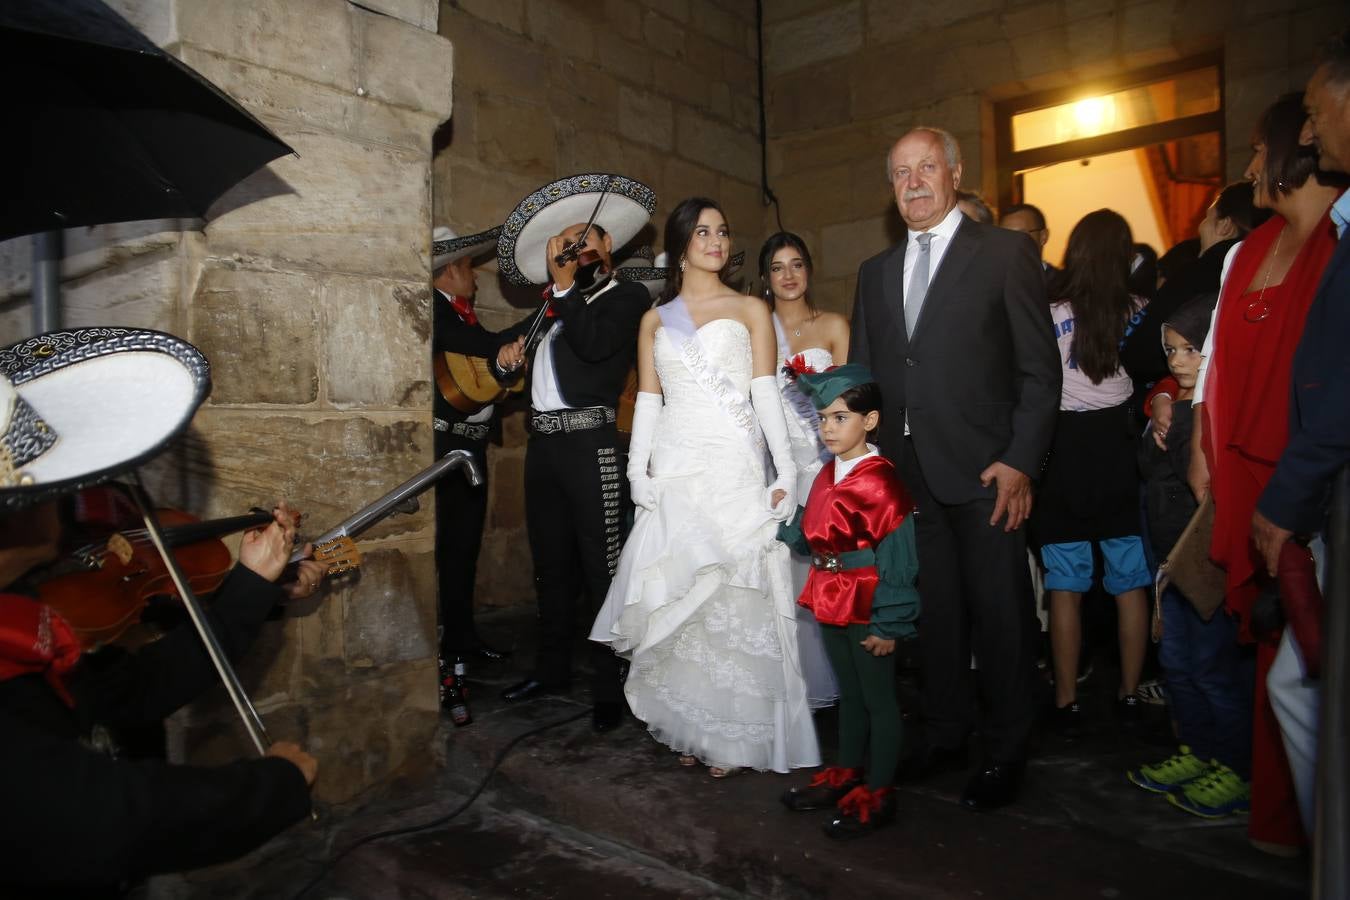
{"type": "Point", "coordinates": [809, 340]}
{"type": "Point", "coordinates": [1089, 495]}
{"type": "Point", "coordinates": [702, 602]}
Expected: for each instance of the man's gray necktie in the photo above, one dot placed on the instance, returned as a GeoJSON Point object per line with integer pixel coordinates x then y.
{"type": "Point", "coordinates": [918, 283]}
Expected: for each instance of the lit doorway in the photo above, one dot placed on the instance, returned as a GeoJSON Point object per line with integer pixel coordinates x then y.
{"type": "Point", "coordinates": [1148, 144]}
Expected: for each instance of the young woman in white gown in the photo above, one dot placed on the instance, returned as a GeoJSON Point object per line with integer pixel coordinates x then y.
{"type": "Point", "coordinates": [702, 604]}
{"type": "Point", "coordinates": [808, 340]}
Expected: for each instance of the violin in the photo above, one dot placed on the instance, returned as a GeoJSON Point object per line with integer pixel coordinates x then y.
{"type": "Point", "coordinates": [119, 576]}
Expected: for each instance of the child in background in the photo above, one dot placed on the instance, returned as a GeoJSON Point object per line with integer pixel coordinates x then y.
{"type": "Point", "coordinates": [856, 527]}
{"type": "Point", "coordinates": [1208, 685]}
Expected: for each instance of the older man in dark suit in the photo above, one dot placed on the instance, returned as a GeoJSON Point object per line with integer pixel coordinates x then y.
{"type": "Point", "coordinates": [954, 323]}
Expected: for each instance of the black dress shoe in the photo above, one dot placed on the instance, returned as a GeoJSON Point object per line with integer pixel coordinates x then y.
{"type": "Point", "coordinates": [861, 812]}
{"type": "Point", "coordinates": [826, 789]}
{"type": "Point", "coordinates": [529, 689]}
{"type": "Point", "coordinates": [933, 762]}
{"type": "Point", "coordinates": [997, 785]}
{"type": "Point", "coordinates": [606, 716]}
{"type": "Point", "coordinates": [486, 651]}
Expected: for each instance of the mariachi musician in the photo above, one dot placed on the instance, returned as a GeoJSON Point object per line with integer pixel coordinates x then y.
{"type": "Point", "coordinates": [461, 422]}
{"type": "Point", "coordinates": [77, 408]}
{"type": "Point", "coordinates": [576, 495]}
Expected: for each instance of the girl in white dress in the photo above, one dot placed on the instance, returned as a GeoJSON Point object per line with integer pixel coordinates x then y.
{"type": "Point", "coordinates": [702, 603]}
{"type": "Point", "coordinates": [808, 340]}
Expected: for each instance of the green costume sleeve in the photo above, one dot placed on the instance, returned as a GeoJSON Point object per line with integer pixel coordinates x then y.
{"type": "Point", "coordinates": [895, 605]}
{"type": "Point", "coordinates": [790, 533]}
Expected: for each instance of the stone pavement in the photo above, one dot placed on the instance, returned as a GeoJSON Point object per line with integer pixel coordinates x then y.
{"type": "Point", "coordinates": [571, 814]}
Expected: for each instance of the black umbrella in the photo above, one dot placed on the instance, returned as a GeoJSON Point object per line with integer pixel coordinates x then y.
{"type": "Point", "coordinates": [106, 127]}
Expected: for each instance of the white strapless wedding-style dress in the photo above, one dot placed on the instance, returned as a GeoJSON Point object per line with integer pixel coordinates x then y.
{"type": "Point", "coordinates": [822, 689]}
{"type": "Point", "coordinates": [702, 602]}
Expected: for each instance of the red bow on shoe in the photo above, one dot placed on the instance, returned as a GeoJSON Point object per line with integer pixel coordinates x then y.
{"type": "Point", "coordinates": [861, 803]}
{"type": "Point", "coordinates": [835, 777]}
{"type": "Point", "coordinates": [464, 306]}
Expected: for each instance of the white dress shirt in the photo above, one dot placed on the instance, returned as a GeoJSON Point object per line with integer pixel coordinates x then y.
{"type": "Point", "coordinates": [942, 239]}
{"type": "Point", "coordinates": [843, 466]}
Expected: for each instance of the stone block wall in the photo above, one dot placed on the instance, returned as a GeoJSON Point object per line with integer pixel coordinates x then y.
{"type": "Point", "coordinates": [308, 289]}
{"type": "Point", "coordinates": [664, 92]}
{"type": "Point", "coordinates": [845, 78]}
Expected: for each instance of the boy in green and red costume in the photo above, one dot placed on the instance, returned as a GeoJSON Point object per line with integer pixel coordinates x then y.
{"type": "Point", "coordinates": [857, 529]}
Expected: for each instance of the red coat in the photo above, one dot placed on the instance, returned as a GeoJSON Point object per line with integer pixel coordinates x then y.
{"type": "Point", "coordinates": [857, 513]}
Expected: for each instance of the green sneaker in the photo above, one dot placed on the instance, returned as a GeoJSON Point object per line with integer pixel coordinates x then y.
{"type": "Point", "coordinates": [1169, 775]}
{"type": "Point", "coordinates": [1217, 793]}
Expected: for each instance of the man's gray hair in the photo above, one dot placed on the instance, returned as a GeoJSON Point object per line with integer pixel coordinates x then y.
{"type": "Point", "coordinates": [950, 147]}
{"type": "Point", "coordinates": [1335, 56]}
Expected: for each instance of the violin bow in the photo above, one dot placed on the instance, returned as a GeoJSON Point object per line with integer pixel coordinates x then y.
{"type": "Point", "coordinates": [252, 722]}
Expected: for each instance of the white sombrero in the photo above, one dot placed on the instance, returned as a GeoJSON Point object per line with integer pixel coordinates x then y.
{"type": "Point", "coordinates": [78, 407]}
{"type": "Point", "coordinates": [446, 246]}
{"type": "Point", "coordinates": [625, 206]}
{"type": "Point", "coordinates": [654, 275]}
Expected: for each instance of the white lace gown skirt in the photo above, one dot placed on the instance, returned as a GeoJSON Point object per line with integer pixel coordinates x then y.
{"type": "Point", "coordinates": [702, 603]}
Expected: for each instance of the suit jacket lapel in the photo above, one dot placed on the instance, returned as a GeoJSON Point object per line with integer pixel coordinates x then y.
{"type": "Point", "coordinates": [893, 284]}
{"type": "Point", "coordinates": [965, 243]}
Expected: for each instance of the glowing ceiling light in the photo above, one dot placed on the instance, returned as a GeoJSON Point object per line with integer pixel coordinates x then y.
{"type": "Point", "coordinates": [1094, 115]}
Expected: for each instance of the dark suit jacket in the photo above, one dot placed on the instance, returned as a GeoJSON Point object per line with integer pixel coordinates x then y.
{"type": "Point", "coordinates": [598, 343]}
{"type": "Point", "coordinates": [981, 379]}
{"type": "Point", "coordinates": [1319, 428]}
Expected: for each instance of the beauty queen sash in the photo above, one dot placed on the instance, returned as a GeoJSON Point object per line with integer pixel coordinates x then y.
{"type": "Point", "coordinates": [678, 324]}
{"type": "Point", "coordinates": [795, 400]}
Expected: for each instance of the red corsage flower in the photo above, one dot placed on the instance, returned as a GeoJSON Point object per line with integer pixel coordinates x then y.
{"type": "Point", "coordinates": [796, 365]}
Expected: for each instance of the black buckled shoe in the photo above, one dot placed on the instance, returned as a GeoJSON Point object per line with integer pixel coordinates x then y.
{"type": "Point", "coordinates": [826, 789]}
{"type": "Point", "coordinates": [861, 812]}
{"type": "Point", "coordinates": [997, 785]}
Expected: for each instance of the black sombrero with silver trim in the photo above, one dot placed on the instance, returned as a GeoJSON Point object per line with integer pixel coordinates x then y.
{"type": "Point", "coordinates": [81, 406]}
{"type": "Point", "coordinates": [654, 276]}
{"type": "Point", "coordinates": [627, 206]}
{"type": "Point", "coordinates": [446, 247]}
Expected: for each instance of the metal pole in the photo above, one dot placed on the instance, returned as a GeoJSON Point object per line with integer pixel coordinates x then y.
{"type": "Point", "coordinates": [1331, 867]}
{"type": "Point", "coordinates": [46, 281]}
{"type": "Point", "coordinates": [252, 723]}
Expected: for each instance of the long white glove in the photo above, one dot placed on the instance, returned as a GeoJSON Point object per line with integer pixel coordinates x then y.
{"type": "Point", "coordinates": [645, 412]}
{"type": "Point", "coordinates": [769, 408]}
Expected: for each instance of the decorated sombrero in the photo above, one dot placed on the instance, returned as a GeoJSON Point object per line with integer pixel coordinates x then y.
{"type": "Point", "coordinates": [625, 206]}
{"type": "Point", "coordinates": [446, 246]}
{"type": "Point", "coordinates": [78, 407]}
{"type": "Point", "coordinates": [642, 269]}
{"type": "Point", "coordinates": [654, 275]}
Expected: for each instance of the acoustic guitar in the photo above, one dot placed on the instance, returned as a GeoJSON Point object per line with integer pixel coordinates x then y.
{"type": "Point", "coordinates": [467, 383]}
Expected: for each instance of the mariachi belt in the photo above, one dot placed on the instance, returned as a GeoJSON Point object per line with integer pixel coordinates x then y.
{"type": "Point", "coordinates": [839, 562]}
{"type": "Point", "coordinates": [569, 420]}
{"type": "Point", "coordinates": [472, 431]}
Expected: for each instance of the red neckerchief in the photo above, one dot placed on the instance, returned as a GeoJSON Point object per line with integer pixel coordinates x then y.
{"type": "Point", "coordinates": [547, 295]}
{"type": "Point", "coordinates": [35, 639]}
{"type": "Point", "coordinates": [463, 306]}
